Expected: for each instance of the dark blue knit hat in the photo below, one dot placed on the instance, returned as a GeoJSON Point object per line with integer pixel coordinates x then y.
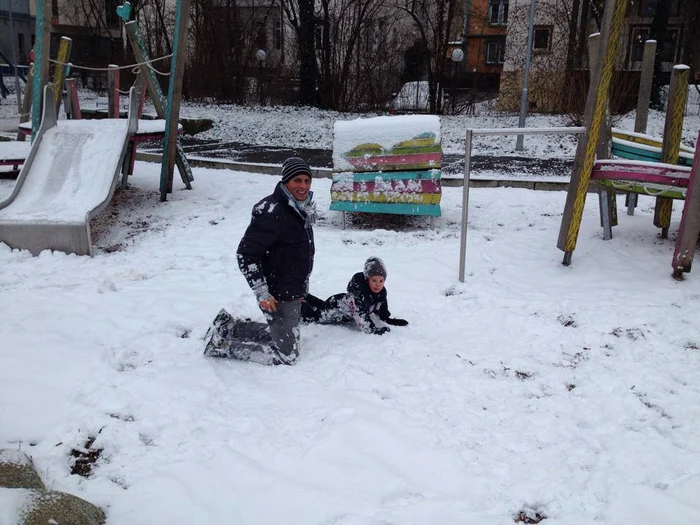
{"type": "Point", "coordinates": [294, 166]}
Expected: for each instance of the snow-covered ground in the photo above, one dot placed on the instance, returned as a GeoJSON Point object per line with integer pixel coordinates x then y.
{"type": "Point", "coordinates": [532, 388]}
{"type": "Point", "coordinates": [304, 127]}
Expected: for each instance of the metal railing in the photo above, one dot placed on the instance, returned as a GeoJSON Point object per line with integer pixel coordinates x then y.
{"type": "Point", "coordinates": [467, 169]}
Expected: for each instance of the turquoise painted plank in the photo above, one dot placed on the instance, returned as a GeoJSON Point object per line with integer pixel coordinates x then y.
{"type": "Point", "coordinates": [37, 80]}
{"type": "Point", "coordinates": [387, 175]}
{"type": "Point", "coordinates": [635, 154]}
{"type": "Point", "coordinates": [627, 152]}
{"type": "Point", "coordinates": [432, 210]}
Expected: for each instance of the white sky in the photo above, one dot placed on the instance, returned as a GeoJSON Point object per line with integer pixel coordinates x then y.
{"type": "Point", "coordinates": [570, 391]}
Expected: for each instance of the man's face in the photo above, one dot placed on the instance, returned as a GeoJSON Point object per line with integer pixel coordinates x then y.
{"type": "Point", "coordinates": [376, 283]}
{"type": "Point", "coordinates": [299, 186]}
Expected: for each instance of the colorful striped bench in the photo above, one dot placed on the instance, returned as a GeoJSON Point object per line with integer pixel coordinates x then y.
{"type": "Point", "coordinates": [647, 178]}
{"type": "Point", "coordinates": [638, 146]}
{"type": "Point", "coordinates": [387, 165]}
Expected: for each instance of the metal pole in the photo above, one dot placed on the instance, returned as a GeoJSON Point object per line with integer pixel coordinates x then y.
{"type": "Point", "coordinates": [18, 94]}
{"type": "Point", "coordinates": [172, 111]}
{"type": "Point", "coordinates": [526, 76]}
{"type": "Point", "coordinates": [642, 115]}
{"type": "Point", "coordinates": [42, 49]}
{"type": "Point", "coordinates": [465, 204]}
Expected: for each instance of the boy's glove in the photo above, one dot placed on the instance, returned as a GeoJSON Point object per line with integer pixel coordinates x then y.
{"type": "Point", "coordinates": [396, 322]}
{"type": "Point", "coordinates": [380, 331]}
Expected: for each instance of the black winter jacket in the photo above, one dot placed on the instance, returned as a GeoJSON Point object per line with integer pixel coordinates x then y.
{"type": "Point", "coordinates": [352, 307]}
{"type": "Point", "coordinates": [276, 254]}
{"type": "Point", "coordinates": [365, 302]}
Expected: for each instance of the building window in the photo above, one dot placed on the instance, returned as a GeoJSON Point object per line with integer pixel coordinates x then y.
{"type": "Point", "coordinates": [498, 12]}
{"type": "Point", "coordinates": [54, 8]}
{"type": "Point", "coordinates": [278, 34]}
{"type": "Point", "coordinates": [495, 51]}
{"type": "Point", "coordinates": [647, 8]}
{"type": "Point", "coordinates": [542, 39]}
{"type": "Point", "coordinates": [669, 50]}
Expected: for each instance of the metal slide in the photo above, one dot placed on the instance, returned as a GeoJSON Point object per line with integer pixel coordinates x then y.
{"type": "Point", "coordinates": [68, 178]}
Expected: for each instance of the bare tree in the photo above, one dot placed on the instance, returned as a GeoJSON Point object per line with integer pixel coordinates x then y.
{"type": "Point", "coordinates": [225, 36]}
{"type": "Point", "coordinates": [435, 21]}
{"type": "Point", "coordinates": [357, 52]}
{"type": "Point", "coordinates": [658, 31]}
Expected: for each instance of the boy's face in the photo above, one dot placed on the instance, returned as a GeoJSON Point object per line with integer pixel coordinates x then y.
{"type": "Point", "coordinates": [376, 283]}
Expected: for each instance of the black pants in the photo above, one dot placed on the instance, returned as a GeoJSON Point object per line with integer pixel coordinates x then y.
{"type": "Point", "coordinates": [333, 310]}
{"type": "Point", "coordinates": [273, 343]}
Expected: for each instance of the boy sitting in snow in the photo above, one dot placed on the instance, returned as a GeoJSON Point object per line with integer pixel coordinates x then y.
{"type": "Point", "coordinates": [366, 296]}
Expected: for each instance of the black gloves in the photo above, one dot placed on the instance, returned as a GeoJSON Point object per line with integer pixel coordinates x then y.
{"type": "Point", "coordinates": [384, 329]}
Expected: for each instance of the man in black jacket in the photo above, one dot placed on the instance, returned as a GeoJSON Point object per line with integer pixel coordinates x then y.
{"type": "Point", "coordinates": [276, 256]}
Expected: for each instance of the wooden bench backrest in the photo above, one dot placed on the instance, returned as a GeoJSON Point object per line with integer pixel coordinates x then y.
{"type": "Point", "coordinates": [387, 165]}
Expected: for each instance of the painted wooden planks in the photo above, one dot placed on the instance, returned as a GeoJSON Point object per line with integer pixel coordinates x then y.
{"type": "Point", "coordinates": [430, 210]}
{"type": "Point", "coordinates": [393, 197]}
{"type": "Point", "coordinates": [639, 146]}
{"type": "Point", "coordinates": [630, 150]}
{"type": "Point", "coordinates": [381, 185]}
{"type": "Point", "coordinates": [421, 152]}
{"type": "Point", "coordinates": [641, 138]}
{"type": "Point", "coordinates": [657, 179]}
{"type": "Point", "coordinates": [387, 165]}
{"type": "Point", "coordinates": [399, 187]}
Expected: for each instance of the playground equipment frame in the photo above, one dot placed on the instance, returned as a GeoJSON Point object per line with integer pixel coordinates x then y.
{"type": "Point", "coordinates": [467, 172]}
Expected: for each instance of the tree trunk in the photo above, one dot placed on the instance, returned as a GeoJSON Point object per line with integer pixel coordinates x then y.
{"type": "Point", "coordinates": [657, 31]}
{"type": "Point", "coordinates": [307, 53]}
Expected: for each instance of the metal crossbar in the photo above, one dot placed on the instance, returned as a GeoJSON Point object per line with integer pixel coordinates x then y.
{"type": "Point", "coordinates": [467, 172]}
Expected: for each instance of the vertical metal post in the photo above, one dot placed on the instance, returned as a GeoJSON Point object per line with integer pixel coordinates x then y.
{"type": "Point", "coordinates": [172, 111]}
{"type": "Point", "coordinates": [26, 101]}
{"type": "Point", "coordinates": [526, 77]}
{"type": "Point", "coordinates": [138, 46]}
{"type": "Point", "coordinates": [113, 91]}
{"type": "Point", "coordinates": [644, 93]}
{"type": "Point", "coordinates": [643, 98]}
{"type": "Point", "coordinates": [596, 102]}
{"type": "Point", "coordinates": [465, 204]}
{"type": "Point", "coordinates": [606, 196]}
{"type": "Point", "coordinates": [72, 95]}
{"type": "Point", "coordinates": [18, 93]}
{"type": "Point", "coordinates": [42, 49]}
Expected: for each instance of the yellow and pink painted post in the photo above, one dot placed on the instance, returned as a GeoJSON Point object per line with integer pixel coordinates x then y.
{"type": "Point", "coordinates": [671, 146]}
{"type": "Point", "coordinates": [598, 95]}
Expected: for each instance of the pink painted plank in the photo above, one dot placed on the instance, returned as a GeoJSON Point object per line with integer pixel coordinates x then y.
{"type": "Point", "coordinates": [384, 160]}
{"type": "Point", "coordinates": [656, 173]}
{"type": "Point", "coordinates": [402, 186]}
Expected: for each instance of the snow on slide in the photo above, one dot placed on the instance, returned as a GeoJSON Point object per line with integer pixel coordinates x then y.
{"type": "Point", "coordinates": [70, 174]}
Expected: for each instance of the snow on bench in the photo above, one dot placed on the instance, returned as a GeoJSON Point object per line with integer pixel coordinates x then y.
{"type": "Point", "coordinates": [387, 165]}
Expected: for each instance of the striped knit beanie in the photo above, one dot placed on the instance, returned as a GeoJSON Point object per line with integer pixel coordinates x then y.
{"type": "Point", "coordinates": [294, 166]}
{"type": "Point", "coordinates": [374, 266]}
